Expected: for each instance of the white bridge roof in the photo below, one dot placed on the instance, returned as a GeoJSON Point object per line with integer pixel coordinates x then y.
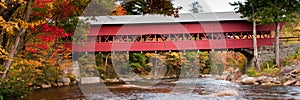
{"type": "Point", "coordinates": [144, 19]}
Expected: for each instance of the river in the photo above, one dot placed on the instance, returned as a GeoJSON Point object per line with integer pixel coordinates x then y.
{"type": "Point", "coordinates": [184, 89]}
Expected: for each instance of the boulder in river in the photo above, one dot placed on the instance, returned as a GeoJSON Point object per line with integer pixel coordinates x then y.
{"type": "Point", "coordinates": [276, 80]}
{"type": "Point", "coordinates": [66, 81]}
{"type": "Point", "coordinates": [249, 80]}
{"type": "Point", "coordinates": [45, 86]}
{"type": "Point", "coordinates": [60, 84]}
{"type": "Point", "coordinates": [264, 79]}
{"type": "Point", "coordinates": [296, 71]}
{"type": "Point", "coordinates": [290, 82]}
{"type": "Point", "coordinates": [54, 84]}
{"type": "Point", "coordinates": [268, 84]}
{"type": "Point", "coordinates": [218, 77]}
{"type": "Point", "coordinates": [227, 93]}
{"type": "Point", "coordinates": [297, 83]}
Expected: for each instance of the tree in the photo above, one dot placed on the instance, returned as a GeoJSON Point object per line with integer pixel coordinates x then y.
{"type": "Point", "coordinates": [142, 7]}
{"type": "Point", "coordinates": [119, 10]}
{"type": "Point", "coordinates": [278, 11]}
{"type": "Point", "coordinates": [269, 12]}
{"type": "Point", "coordinates": [250, 9]}
{"type": "Point", "coordinates": [42, 20]}
{"type": "Point", "coordinates": [99, 8]}
{"type": "Point", "coordinates": [11, 28]}
{"type": "Point", "coordinates": [195, 7]}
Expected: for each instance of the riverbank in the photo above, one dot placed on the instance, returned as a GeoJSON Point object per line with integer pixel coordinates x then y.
{"type": "Point", "coordinates": [287, 76]}
{"type": "Point", "coordinates": [201, 88]}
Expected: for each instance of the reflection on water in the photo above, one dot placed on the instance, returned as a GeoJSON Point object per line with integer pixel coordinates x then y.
{"type": "Point", "coordinates": [191, 89]}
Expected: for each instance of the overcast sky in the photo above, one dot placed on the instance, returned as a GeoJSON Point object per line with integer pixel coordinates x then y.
{"type": "Point", "coordinates": [208, 5]}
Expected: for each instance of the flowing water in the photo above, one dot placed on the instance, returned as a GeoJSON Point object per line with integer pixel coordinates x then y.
{"type": "Point", "coordinates": [183, 89]}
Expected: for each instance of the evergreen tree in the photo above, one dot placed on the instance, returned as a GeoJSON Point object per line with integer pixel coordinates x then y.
{"type": "Point", "coordinates": [142, 7]}
{"type": "Point", "coordinates": [195, 7]}
{"type": "Point", "coordinates": [278, 11]}
{"type": "Point", "coordinates": [250, 9]}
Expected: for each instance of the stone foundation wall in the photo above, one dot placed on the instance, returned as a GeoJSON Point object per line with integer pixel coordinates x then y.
{"type": "Point", "coordinates": [267, 53]}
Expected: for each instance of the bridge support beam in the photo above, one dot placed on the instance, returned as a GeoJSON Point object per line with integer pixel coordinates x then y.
{"type": "Point", "coordinates": [250, 58]}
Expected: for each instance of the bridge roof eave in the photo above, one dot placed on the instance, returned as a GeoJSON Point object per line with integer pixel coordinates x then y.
{"type": "Point", "coordinates": [160, 19]}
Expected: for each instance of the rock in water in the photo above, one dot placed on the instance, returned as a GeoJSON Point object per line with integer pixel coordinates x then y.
{"type": "Point", "coordinates": [297, 83]}
{"type": "Point", "coordinates": [290, 82]}
{"type": "Point", "coordinates": [227, 93]}
{"type": "Point", "coordinates": [296, 71]}
{"type": "Point", "coordinates": [45, 86]}
{"type": "Point", "coordinates": [66, 81]}
{"type": "Point", "coordinates": [248, 80]}
{"type": "Point", "coordinates": [218, 77]}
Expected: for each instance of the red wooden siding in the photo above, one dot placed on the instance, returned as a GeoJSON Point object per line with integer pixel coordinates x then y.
{"type": "Point", "coordinates": [133, 37]}
{"type": "Point", "coordinates": [203, 27]}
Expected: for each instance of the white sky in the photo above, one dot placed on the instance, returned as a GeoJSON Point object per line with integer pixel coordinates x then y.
{"type": "Point", "coordinates": [208, 5]}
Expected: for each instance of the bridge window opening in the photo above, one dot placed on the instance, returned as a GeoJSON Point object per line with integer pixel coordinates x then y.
{"type": "Point", "coordinates": [147, 38]}
{"type": "Point", "coordinates": [210, 36]}
{"type": "Point", "coordinates": [196, 36]}
{"type": "Point", "coordinates": [91, 39]}
{"type": "Point", "coordinates": [189, 37]}
{"type": "Point", "coordinates": [135, 38]}
{"type": "Point", "coordinates": [174, 37]}
{"type": "Point", "coordinates": [232, 35]}
{"type": "Point", "coordinates": [162, 37]}
{"type": "Point", "coordinates": [107, 38]}
{"type": "Point", "coordinates": [220, 36]}
{"type": "Point", "coordinates": [264, 34]}
{"type": "Point", "coordinates": [249, 35]}
{"type": "Point", "coordinates": [120, 38]}
{"type": "Point", "coordinates": [203, 36]}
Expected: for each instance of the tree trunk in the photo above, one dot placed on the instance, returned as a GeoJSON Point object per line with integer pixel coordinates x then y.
{"type": "Point", "coordinates": [277, 56]}
{"type": "Point", "coordinates": [255, 52]}
{"type": "Point", "coordinates": [105, 65]}
{"type": "Point", "coordinates": [11, 55]}
{"type": "Point", "coordinates": [14, 49]}
{"type": "Point", "coordinates": [6, 14]}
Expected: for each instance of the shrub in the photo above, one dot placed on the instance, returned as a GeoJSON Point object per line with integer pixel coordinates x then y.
{"type": "Point", "coordinates": [268, 64]}
{"type": "Point", "coordinates": [272, 71]}
{"type": "Point", "coordinates": [25, 73]}
{"type": "Point", "coordinates": [15, 85]}
{"type": "Point", "coordinates": [252, 72]}
{"type": "Point", "coordinates": [87, 66]}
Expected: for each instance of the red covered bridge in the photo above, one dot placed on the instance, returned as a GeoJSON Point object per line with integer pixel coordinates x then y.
{"type": "Point", "coordinates": [198, 31]}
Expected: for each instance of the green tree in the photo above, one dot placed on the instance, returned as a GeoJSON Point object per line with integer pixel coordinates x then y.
{"type": "Point", "coordinates": [195, 7]}
{"type": "Point", "coordinates": [138, 63]}
{"type": "Point", "coordinates": [98, 7]}
{"type": "Point", "coordinates": [251, 9]}
{"type": "Point", "coordinates": [278, 11]}
{"type": "Point", "coordinates": [142, 7]}
{"type": "Point", "coordinates": [14, 29]}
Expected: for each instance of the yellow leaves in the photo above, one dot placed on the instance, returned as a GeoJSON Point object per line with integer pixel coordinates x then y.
{"type": "Point", "coordinates": [30, 24]}
{"type": "Point", "coordinates": [22, 1]}
{"type": "Point", "coordinates": [8, 26]}
{"type": "Point", "coordinates": [297, 28]}
{"type": "Point", "coordinates": [11, 27]}
{"type": "Point", "coordinates": [50, 5]}
{"type": "Point", "coordinates": [3, 53]}
{"type": "Point", "coordinates": [29, 63]}
{"type": "Point", "coordinates": [3, 5]}
{"type": "Point", "coordinates": [149, 55]}
{"type": "Point", "coordinates": [174, 54]}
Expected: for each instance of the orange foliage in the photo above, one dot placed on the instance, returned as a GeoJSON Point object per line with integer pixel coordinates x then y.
{"type": "Point", "coordinates": [119, 11]}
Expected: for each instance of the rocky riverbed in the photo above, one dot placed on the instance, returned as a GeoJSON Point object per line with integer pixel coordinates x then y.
{"type": "Point", "coordinates": [287, 76]}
